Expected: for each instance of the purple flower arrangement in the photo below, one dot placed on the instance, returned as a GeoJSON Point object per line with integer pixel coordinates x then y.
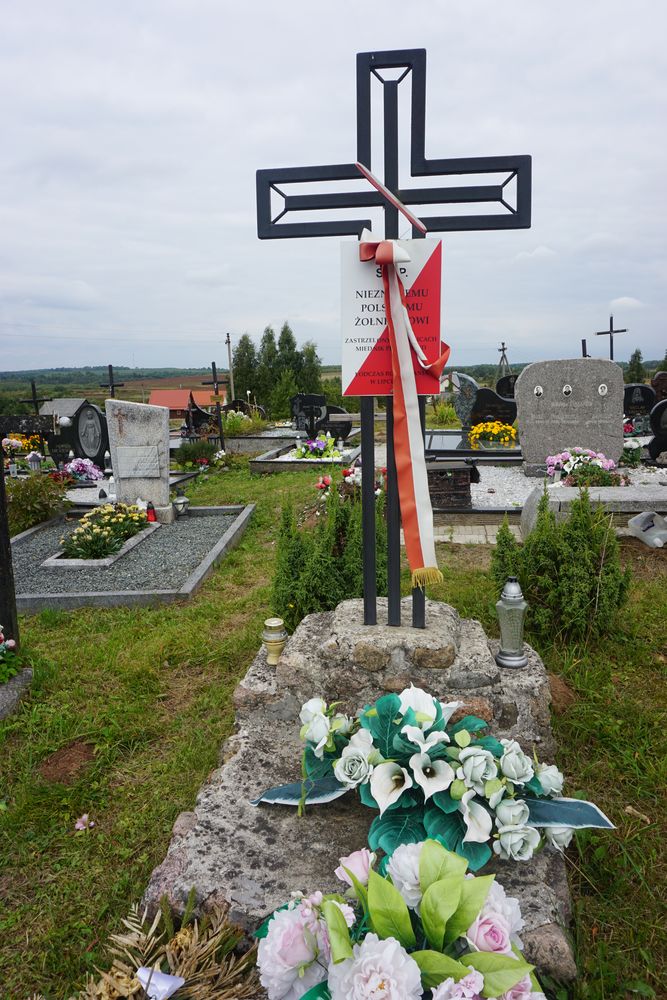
{"type": "Point", "coordinates": [83, 468]}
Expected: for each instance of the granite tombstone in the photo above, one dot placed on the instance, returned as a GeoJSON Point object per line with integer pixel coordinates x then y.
{"type": "Point", "coordinates": [505, 386]}
{"type": "Point", "coordinates": [85, 433]}
{"type": "Point", "coordinates": [476, 404]}
{"type": "Point", "coordinates": [139, 445]}
{"type": "Point", "coordinates": [572, 403]}
{"type": "Point", "coordinates": [659, 384]}
{"type": "Point", "coordinates": [657, 447]}
{"type": "Point", "coordinates": [638, 400]}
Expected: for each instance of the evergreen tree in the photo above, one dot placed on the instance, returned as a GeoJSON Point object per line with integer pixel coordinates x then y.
{"type": "Point", "coordinates": [662, 367]}
{"type": "Point", "coordinates": [245, 367]}
{"type": "Point", "coordinates": [282, 394]}
{"type": "Point", "coordinates": [635, 372]}
{"type": "Point", "coordinates": [310, 377]}
{"type": "Point", "coordinates": [505, 557]}
{"type": "Point", "coordinates": [290, 556]}
{"type": "Point", "coordinates": [289, 358]}
{"type": "Point", "coordinates": [266, 367]}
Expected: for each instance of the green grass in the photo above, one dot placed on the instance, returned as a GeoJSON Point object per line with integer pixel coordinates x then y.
{"type": "Point", "coordinates": [150, 690]}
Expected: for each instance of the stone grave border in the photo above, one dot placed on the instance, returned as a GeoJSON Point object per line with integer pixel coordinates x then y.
{"type": "Point", "coordinates": [267, 462]}
{"type": "Point", "coordinates": [13, 691]}
{"type": "Point", "coordinates": [33, 603]}
{"type": "Point", "coordinates": [57, 561]}
{"type": "Point", "coordinates": [619, 501]}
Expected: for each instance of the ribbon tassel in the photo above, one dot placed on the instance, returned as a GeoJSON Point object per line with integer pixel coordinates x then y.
{"type": "Point", "coordinates": [413, 492]}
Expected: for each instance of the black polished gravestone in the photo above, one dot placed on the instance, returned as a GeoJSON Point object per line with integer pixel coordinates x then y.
{"type": "Point", "coordinates": [505, 386]}
{"type": "Point", "coordinates": [312, 414]}
{"type": "Point", "coordinates": [658, 444]}
{"type": "Point", "coordinates": [638, 400]}
{"type": "Point", "coordinates": [83, 430]}
{"type": "Point", "coordinates": [475, 404]}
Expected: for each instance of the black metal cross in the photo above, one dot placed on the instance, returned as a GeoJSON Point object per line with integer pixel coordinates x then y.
{"type": "Point", "coordinates": [218, 412]}
{"type": "Point", "coordinates": [513, 171]}
{"type": "Point", "coordinates": [35, 400]}
{"type": "Point", "coordinates": [110, 384]}
{"type": "Point", "coordinates": [610, 333]}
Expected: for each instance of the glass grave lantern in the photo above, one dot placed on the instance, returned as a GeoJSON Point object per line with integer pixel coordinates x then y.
{"type": "Point", "coordinates": [511, 610]}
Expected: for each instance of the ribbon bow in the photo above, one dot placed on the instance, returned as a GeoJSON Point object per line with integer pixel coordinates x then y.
{"type": "Point", "coordinates": [413, 492]}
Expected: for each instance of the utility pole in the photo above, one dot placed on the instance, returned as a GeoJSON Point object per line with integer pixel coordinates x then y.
{"type": "Point", "coordinates": [228, 341]}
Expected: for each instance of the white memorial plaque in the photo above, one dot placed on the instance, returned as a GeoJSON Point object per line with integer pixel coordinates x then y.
{"type": "Point", "coordinates": [141, 462]}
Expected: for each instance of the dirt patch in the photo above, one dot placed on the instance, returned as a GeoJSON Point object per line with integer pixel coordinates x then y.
{"type": "Point", "coordinates": [645, 563]}
{"type": "Point", "coordinates": [66, 764]}
{"type": "Point", "coordinates": [465, 557]}
{"type": "Point", "coordinates": [562, 696]}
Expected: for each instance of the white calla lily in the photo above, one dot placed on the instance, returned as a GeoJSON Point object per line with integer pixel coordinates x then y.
{"type": "Point", "coordinates": [476, 818]}
{"type": "Point", "coordinates": [448, 709]}
{"type": "Point", "coordinates": [431, 775]}
{"type": "Point", "coordinates": [423, 705]}
{"type": "Point", "coordinates": [388, 782]}
{"type": "Point", "coordinates": [425, 743]}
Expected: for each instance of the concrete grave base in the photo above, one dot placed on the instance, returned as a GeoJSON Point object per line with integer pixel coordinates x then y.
{"type": "Point", "coordinates": [619, 501]}
{"type": "Point", "coordinates": [250, 859]}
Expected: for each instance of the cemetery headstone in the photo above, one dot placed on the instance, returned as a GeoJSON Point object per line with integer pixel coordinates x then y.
{"type": "Point", "coordinates": [572, 403]}
{"type": "Point", "coordinates": [86, 434]}
{"type": "Point", "coordinates": [658, 418]}
{"type": "Point", "coordinates": [312, 415]}
{"type": "Point", "coordinates": [659, 384]}
{"type": "Point", "coordinates": [139, 446]}
{"type": "Point", "coordinates": [638, 400]}
{"type": "Point", "coordinates": [505, 386]}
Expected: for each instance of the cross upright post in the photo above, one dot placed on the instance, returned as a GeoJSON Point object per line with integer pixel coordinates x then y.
{"type": "Point", "coordinates": [610, 333]}
{"type": "Point", "coordinates": [111, 385]}
{"type": "Point", "coordinates": [515, 185]}
{"type": "Point", "coordinates": [218, 412]}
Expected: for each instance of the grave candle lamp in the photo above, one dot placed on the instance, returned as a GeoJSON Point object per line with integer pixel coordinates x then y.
{"type": "Point", "coordinates": [180, 503]}
{"type": "Point", "coordinates": [274, 637]}
{"type": "Point", "coordinates": [511, 610]}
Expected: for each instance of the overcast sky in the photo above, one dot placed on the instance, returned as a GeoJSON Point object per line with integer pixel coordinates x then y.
{"type": "Point", "coordinates": [131, 133]}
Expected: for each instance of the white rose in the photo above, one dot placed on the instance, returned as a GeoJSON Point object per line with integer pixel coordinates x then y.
{"type": "Point", "coordinates": [516, 843]}
{"type": "Point", "coordinates": [317, 731]}
{"type": "Point", "coordinates": [558, 836]}
{"type": "Point", "coordinates": [316, 706]}
{"type": "Point", "coordinates": [514, 763]}
{"type": "Point", "coordinates": [341, 724]}
{"type": "Point", "coordinates": [477, 767]}
{"type": "Point", "coordinates": [353, 768]}
{"type": "Point", "coordinates": [403, 867]}
{"type": "Point", "coordinates": [512, 812]}
{"type": "Point", "coordinates": [551, 779]}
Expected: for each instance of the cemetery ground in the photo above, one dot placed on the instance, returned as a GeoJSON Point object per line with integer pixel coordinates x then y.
{"type": "Point", "coordinates": [129, 709]}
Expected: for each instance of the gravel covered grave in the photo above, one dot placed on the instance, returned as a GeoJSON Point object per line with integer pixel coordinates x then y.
{"type": "Point", "coordinates": [163, 561]}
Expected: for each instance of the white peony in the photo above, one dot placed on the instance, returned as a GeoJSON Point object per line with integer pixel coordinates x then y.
{"type": "Point", "coordinates": [403, 867]}
{"type": "Point", "coordinates": [558, 836]}
{"type": "Point", "coordinates": [379, 970]}
{"type": "Point", "coordinates": [551, 779]}
{"type": "Point", "coordinates": [512, 812]}
{"type": "Point", "coordinates": [477, 767]}
{"type": "Point", "coordinates": [516, 843]}
{"type": "Point", "coordinates": [431, 775]}
{"type": "Point", "coordinates": [514, 763]}
{"type": "Point", "coordinates": [287, 957]}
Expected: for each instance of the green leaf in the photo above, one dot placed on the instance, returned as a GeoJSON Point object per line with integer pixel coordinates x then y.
{"type": "Point", "coordinates": [492, 744]}
{"type": "Point", "coordinates": [436, 863]}
{"type": "Point", "coordinates": [469, 722]}
{"type": "Point", "coordinates": [438, 904]}
{"type": "Point", "coordinates": [316, 768]}
{"type": "Point", "coordinates": [447, 828]}
{"type": "Point", "coordinates": [473, 893]}
{"type": "Point", "coordinates": [462, 738]}
{"type": "Point", "coordinates": [388, 911]}
{"type": "Point", "coordinates": [339, 935]}
{"type": "Point", "coordinates": [491, 787]}
{"type": "Point", "coordinates": [360, 890]}
{"type": "Point", "coordinates": [457, 789]}
{"type": "Point", "coordinates": [435, 968]}
{"type": "Point", "coordinates": [445, 802]}
{"type": "Point", "coordinates": [382, 725]}
{"type": "Point", "coordinates": [477, 854]}
{"type": "Point", "coordinates": [396, 827]}
{"type": "Point", "coordinates": [366, 797]}
{"type": "Point", "coordinates": [318, 992]}
{"type": "Point", "coordinates": [501, 972]}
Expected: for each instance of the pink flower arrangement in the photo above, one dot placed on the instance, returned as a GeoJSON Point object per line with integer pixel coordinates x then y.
{"type": "Point", "coordinates": [83, 468]}
{"type": "Point", "coordinates": [575, 458]}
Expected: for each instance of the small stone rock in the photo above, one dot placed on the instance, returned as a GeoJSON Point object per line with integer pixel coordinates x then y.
{"type": "Point", "coordinates": [562, 696]}
{"type": "Point", "coordinates": [481, 707]}
{"type": "Point", "coordinates": [548, 948]}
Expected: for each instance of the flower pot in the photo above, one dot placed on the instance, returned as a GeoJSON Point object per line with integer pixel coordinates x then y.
{"type": "Point", "coordinates": [497, 445]}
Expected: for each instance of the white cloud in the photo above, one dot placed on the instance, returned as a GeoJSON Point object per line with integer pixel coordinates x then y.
{"type": "Point", "coordinates": [539, 253]}
{"type": "Point", "coordinates": [626, 302]}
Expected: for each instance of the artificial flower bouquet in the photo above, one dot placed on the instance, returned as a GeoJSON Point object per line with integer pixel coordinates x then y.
{"type": "Point", "coordinates": [102, 531]}
{"type": "Point", "coordinates": [493, 431]}
{"type": "Point", "coordinates": [321, 447]}
{"type": "Point", "coordinates": [84, 469]}
{"type": "Point", "coordinates": [10, 445]}
{"type": "Point", "coordinates": [429, 777]}
{"type": "Point", "coordinates": [8, 659]}
{"type": "Point", "coordinates": [427, 928]}
{"type": "Point", "coordinates": [350, 484]}
{"type": "Point", "coordinates": [585, 467]}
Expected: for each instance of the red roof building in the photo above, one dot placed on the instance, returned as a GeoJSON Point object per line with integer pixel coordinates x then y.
{"type": "Point", "coordinates": [177, 399]}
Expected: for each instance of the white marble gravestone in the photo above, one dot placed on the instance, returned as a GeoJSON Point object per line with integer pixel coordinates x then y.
{"type": "Point", "coordinates": [573, 403]}
{"type": "Point", "coordinates": [139, 446]}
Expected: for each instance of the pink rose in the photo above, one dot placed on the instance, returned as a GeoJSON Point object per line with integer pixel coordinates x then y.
{"type": "Point", "coordinates": [490, 932]}
{"type": "Point", "coordinates": [10, 644]}
{"type": "Point", "coordinates": [468, 988]}
{"type": "Point", "coordinates": [287, 957]}
{"type": "Point", "coordinates": [522, 991]}
{"type": "Point", "coordinates": [359, 863]}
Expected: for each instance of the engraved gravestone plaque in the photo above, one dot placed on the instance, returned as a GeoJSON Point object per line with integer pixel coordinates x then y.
{"type": "Point", "coordinates": [141, 462]}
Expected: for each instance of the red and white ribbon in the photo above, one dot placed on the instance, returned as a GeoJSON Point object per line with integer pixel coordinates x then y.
{"type": "Point", "coordinates": [415, 501]}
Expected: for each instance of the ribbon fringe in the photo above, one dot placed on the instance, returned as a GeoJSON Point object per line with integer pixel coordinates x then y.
{"type": "Point", "coordinates": [427, 574]}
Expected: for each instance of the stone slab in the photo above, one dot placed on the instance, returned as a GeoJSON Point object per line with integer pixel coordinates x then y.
{"type": "Point", "coordinates": [139, 433]}
{"type": "Point", "coordinates": [571, 403]}
{"type": "Point", "coordinates": [13, 690]}
{"type": "Point", "coordinates": [250, 859]}
{"type": "Point", "coordinates": [59, 561]}
{"type": "Point", "coordinates": [616, 500]}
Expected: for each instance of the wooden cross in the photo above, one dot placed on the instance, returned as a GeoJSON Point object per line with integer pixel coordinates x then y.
{"type": "Point", "coordinates": [513, 173]}
{"type": "Point", "coordinates": [218, 412]}
{"type": "Point", "coordinates": [17, 425]}
{"type": "Point", "coordinates": [110, 384]}
{"type": "Point", "coordinates": [610, 333]}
